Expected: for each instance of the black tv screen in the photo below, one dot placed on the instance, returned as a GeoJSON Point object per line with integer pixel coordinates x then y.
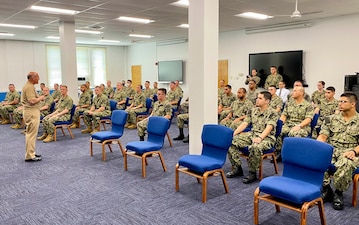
{"type": "Point", "coordinates": [170, 71]}
{"type": "Point", "coordinates": [288, 63]}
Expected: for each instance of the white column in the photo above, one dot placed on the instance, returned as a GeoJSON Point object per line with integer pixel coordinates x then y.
{"type": "Point", "coordinates": [68, 58]}
{"type": "Point", "coordinates": [202, 68]}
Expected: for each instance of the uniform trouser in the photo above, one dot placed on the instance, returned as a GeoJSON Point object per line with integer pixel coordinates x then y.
{"type": "Point", "coordinates": [345, 167]}
{"type": "Point", "coordinates": [223, 114]}
{"type": "Point", "coordinates": [231, 123]}
{"type": "Point", "coordinates": [95, 118]}
{"type": "Point", "coordinates": [76, 116]}
{"type": "Point", "coordinates": [32, 121]}
{"type": "Point", "coordinates": [48, 123]}
{"type": "Point", "coordinates": [18, 115]}
{"type": "Point", "coordinates": [131, 118]}
{"type": "Point", "coordinates": [255, 150]}
{"type": "Point", "coordinates": [5, 110]}
{"type": "Point", "coordinates": [286, 131]}
{"type": "Point", "coordinates": [181, 118]}
{"type": "Point", "coordinates": [142, 127]}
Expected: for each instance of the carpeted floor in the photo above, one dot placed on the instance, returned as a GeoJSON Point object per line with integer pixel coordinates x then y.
{"type": "Point", "coordinates": [70, 187]}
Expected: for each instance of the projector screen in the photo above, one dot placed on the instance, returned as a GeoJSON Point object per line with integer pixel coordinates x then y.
{"type": "Point", "coordinates": [170, 71]}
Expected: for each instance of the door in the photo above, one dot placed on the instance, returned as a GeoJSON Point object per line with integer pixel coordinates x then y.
{"type": "Point", "coordinates": [136, 75]}
{"type": "Point", "coordinates": [223, 71]}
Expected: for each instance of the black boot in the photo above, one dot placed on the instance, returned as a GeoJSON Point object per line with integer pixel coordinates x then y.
{"type": "Point", "coordinates": [237, 171]}
{"type": "Point", "coordinates": [142, 138]}
{"type": "Point", "coordinates": [327, 193]}
{"type": "Point", "coordinates": [180, 136]}
{"type": "Point", "coordinates": [338, 200]}
{"type": "Point", "coordinates": [252, 176]}
{"type": "Point", "coordinates": [186, 139]}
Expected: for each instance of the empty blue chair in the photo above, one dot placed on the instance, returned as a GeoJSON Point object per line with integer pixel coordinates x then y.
{"type": "Point", "coordinates": [216, 140]}
{"type": "Point", "coordinates": [118, 119]}
{"type": "Point", "coordinates": [305, 160]}
{"type": "Point", "coordinates": [156, 128]}
{"type": "Point", "coordinates": [65, 124]}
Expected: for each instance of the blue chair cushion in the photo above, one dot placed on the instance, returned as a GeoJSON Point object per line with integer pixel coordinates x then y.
{"type": "Point", "coordinates": [143, 146]}
{"type": "Point", "coordinates": [106, 135]}
{"type": "Point", "coordinates": [200, 163]}
{"type": "Point", "coordinates": [62, 123]}
{"type": "Point", "coordinates": [289, 189]}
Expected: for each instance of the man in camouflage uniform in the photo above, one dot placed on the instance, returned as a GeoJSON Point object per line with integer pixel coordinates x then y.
{"type": "Point", "coordinates": [11, 102]}
{"type": "Point", "coordinates": [273, 79]}
{"type": "Point", "coordinates": [148, 91]}
{"type": "Point", "coordinates": [100, 108]}
{"type": "Point", "coordinates": [261, 137]}
{"type": "Point", "coordinates": [160, 108]}
{"type": "Point", "coordinates": [253, 77]}
{"type": "Point", "coordinates": [299, 83]}
{"type": "Point", "coordinates": [56, 94]}
{"type": "Point", "coordinates": [178, 88]}
{"type": "Point", "coordinates": [62, 113]}
{"type": "Point", "coordinates": [276, 102]}
{"type": "Point", "coordinates": [41, 92]}
{"type": "Point", "coordinates": [88, 88]}
{"type": "Point", "coordinates": [181, 119]}
{"type": "Point", "coordinates": [252, 92]}
{"type": "Point", "coordinates": [45, 107]}
{"type": "Point", "coordinates": [220, 89]}
{"type": "Point", "coordinates": [155, 88]}
{"type": "Point", "coordinates": [238, 111]}
{"type": "Point", "coordinates": [138, 105]}
{"type": "Point", "coordinates": [83, 104]}
{"type": "Point", "coordinates": [120, 96]}
{"type": "Point", "coordinates": [225, 102]}
{"type": "Point", "coordinates": [342, 132]}
{"type": "Point", "coordinates": [174, 95]}
{"type": "Point", "coordinates": [318, 95]}
{"type": "Point", "coordinates": [130, 92]}
{"type": "Point", "coordinates": [109, 92]}
{"type": "Point", "coordinates": [296, 117]}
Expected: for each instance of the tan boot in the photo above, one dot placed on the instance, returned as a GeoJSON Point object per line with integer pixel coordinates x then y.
{"type": "Point", "coordinates": [16, 126]}
{"type": "Point", "coordinates": [49, 138]}
{"type": "Point", "coordinates": [75, 125]}
{"type": "Point", "coordinates": [42, 137]}
{"type": "Point", "coordinates": [127, 124]}
{"type": "Point", "coordinates": [5, 121]}
{"type": "Point", "coordinates": [87, 130]}
{"type": "Point", "coordinates": [97, 129]}
{"type": "Point", "coordinates": [132, 126]}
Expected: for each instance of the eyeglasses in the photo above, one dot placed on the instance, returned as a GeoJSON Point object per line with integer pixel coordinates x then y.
{"type": "Point", "coordinates": [343, 101]}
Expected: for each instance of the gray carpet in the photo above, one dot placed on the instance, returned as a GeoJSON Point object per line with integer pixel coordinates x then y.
{"type": "Point", "coordinates": [70, 187]}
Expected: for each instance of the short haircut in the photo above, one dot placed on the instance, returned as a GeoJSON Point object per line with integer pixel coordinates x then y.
{"type": "Point", "coordinates": [129, 81]}
{"type": "Point", "coordinates": [273, 86]}
{"type": "Point", "coordinates": [274, 67]}
{"type": "Point", "coordinates": [282, 82]}
{"type": "Point", "coordinates": [322, 82]}
{"type": "Point", "coordinates": [42, 84]}
{"type": "Point", "coordinates": [163, 90]}
{"type": "Point", "coordinates": [140, 86]}
{"type": "Point", "coordinates": [62, 85]}
{"type": "Point", "coordinates": [255, 70]}
{"type": "Point", "coordinates": [351, 96]}
{"type": "Point", "coordinates": [330, 88]}
{"type": "Point", "coordinates": [244, 90]}
{"type": "Point", "coordinates": [266, 95]}
{"type": "Point", "coordinates": [147, 81]}
{"type": "Point", "coordinates": [228, 86]}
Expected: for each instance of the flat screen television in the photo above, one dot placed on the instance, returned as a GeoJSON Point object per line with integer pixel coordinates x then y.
{"type": "Point", "coordinates": [288, 63]}
{"type": "Point", "coordinates": [170, 71]}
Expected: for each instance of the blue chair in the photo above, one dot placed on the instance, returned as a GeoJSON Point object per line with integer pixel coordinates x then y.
{"type": "Point", "coordinates": [178, 107]}
{"type": "Point", "coordinates": [142, 115]}
{"type": "Point", "coordinates": [65, 124]}
{"type": "Point", "coordinates": [155, 98]}
{"type": "Point", "coordinates": [107, 119]}
{"type": "Point", "coordinates": [299, 188]}
{"type": "Point", "coordinates": [156, 128]}
{"type": "Point", "coordinates": [313, 123]}
{"type": "Point", "coordinates": [216, 140]}
{"type": "Point", "coordinates": [118, 119]}
{"type": "Point", "coordinates": [267, 153]}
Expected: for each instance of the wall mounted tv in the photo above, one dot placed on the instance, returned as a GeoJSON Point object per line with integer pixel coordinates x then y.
{"type": "Point", "coordinates": [288, 63]}
{"type": "Point", "coordinates": [170, 71]}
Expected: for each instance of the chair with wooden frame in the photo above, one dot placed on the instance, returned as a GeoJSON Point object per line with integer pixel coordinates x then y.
{"type": "Point", "coordinates": [65, 124]}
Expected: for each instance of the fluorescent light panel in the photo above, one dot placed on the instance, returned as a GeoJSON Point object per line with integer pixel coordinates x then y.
{"type": "Point", "coordinates": [53, 37]}
{"type": "Point", "coordinates": [109, 41]}
{"type": "Point", "coordinates": [140, 35]}
{"type": "Point", "coordinates": [88, 31]}
{"type": "Point", "coordinates": [53, 10]}
{"type": "Point", "coordinates": [253, 15]}
{"type": "Point", "coordinates": [7, 34]}
{"type": "Point", "coordinates": [181, 3]}
{"type": "Point", "coordinates": [278, 27]}
{"type": "Point", "coordinates": [135, 20]}
{"type": "Point", "coordinates": [183, 26]}
{"type": "Point", "coordinates": [17, 26]}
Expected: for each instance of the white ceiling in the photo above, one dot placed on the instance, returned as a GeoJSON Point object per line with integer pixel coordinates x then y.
{"type": "Point", "coordinates": [101, 15]}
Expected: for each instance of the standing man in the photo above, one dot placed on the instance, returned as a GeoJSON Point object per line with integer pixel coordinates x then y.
{"type": "Point", "coordinates": [341, 131]}
{"type": "Point", "coordinates": [31, 103]}
{"type": "Point", "coordinates": [261, 137]}
{"type": "Point", "coordinates": [273, 78]}
{"type": "Point", "coordinates": [254, 77]}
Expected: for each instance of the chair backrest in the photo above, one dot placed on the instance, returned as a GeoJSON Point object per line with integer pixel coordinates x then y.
{"type": "Point", "coordinates": [148, 104]}
{"type": "Point", "coordinates": [52, 107]}
{"type": "Point", "coordinates": [113, 105]}
{"type": "Point", "coordinates": [278, 129]}
{"type": "Point", "coordinates": [313, 123]}
{"type": "Point", "coordinates": [216, 140]}
{"type": "Point", "coordinates": [155, 98]}
{"type": "Point", "coordinates": [157, 128]}
{"type": "Point", "coordinates": [306, 159]}
{"type": "Point", "coordinates": [118, 118]}
{"type": "Point", "coordinates": [72, 113]}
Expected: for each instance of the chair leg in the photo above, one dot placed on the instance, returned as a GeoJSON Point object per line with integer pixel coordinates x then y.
{"type": "Point", "coordinates": [260, 173]}
{"type": "Point", "coordinates": [169, 139]}
{"type": "Point", "coordinates": [70, 132]}
{"type": "Point", "coordinates": [62, 130]}
{"type": "Point", "coordinates": [91, 147]}
{"type": "Point", "coordinates": [204, 187]}
{"type": "Point", "coordinates": [321, 211]}
{"type": "Point", "coordinates": [256, 207]}
{"type": "Point", "coordinates": [224, 181]}
{"type": "Point", "coordinates": [121, 148]}
{"type": "Point", "coordinates": [162, 162]}
{"type": "Point", "coordinates": [55, 132]}
{"type": "Point", "coordinates": [109, 147]}
{"type": "Point", "coordinates": [177, 177]}
{"type": "Point", "coordinates": [144, 165]}
{"type": "Point", "coordinates": [125, 161]}
{"type": "Point", "coordinates": [355, 190]}
{"type": "Point", "coordinates": [303, 216]}
{"type": "Point", "coordinates": [275, 164]}
{"type": "Point", "coordinates": [103, 152]}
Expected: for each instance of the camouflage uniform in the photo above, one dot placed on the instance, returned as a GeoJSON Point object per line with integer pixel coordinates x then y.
{"type": "Point", "coordinates": [238, 108]}
{"type": "Point", "coordinates": [154, 91]}
{"type": "Point", "coordinates": [259, 120]}
{"type": "Point", "coordinates": [138, 99]}
{"type": "Point", "coordinates": [220, 92]}
{"type": "Point", "coordinates": [130, 92]}
{"type": "Point", "coordinates": [56, 95]}
{"type": "Point", "coordinates": [48, 101]}
{"type": "Point", "coordinates": [85, 99]}
{"type": "Point", "coordinates": [119, 96]}
{"type": "Point", "coordinates": [226, 101]}
{"type": "Point", "coordinates": [181, 118]}
{"type": "Point", "coordinates": [108, 91]}
{"type": "Point", "coordinates": [174, 96]}
{"type": "Point", "coordinates": [185, 107]}
{"type": "Point", "coordinates": [98, 102]}
{"type": "Point", "coordinates": [306, 97]}
{"type": "Point", "coordinates": [63, 103]}
{"type": "Point", "coordinates": [318, 97]}
{"type": "Point", "coordinates": [295, 114]}
{"type": "Point", "coordinates": [256, 79]}
{"type": "Point", "coordinates": [90, 92]}
{"type": "Point", "coordinates": [276, 102]}
{"type": "Point", "coordinates": [159, 109]}
{"type": "Point", "coordinates": [343, 136]}
{"type": "Point", "coordinates": [326, 109]}
{"type": "Point", "coordinates": [6, 109]}
{"type": "Point", "coordinates": [148, 93]}
{"type": "Point", "coordinates": [273, 80]}
{"type": "Point", "coordinates": [252, 95]}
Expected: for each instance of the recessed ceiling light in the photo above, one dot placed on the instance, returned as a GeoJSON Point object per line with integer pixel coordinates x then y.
{"type": "Point", "coordinates": [135, 20]}
{"type": "Point", "coordinates": [140, 35]}
{"type": "Point", "coordinates": [54, 10]}
{"type": "Point", "coordinates": [109, 41]}
{"type": "Point", "coordinates": [181, 3]}
{"type": "Point", "coordinates": [88, 31]}
{"type": "Point", "coordinates": [53, 37]}
{"type": "Point", "coordinates": [17, 26]}
{"type": "Point", "coordinates": [253, 15]}
{"type": "Point", "coordinates": [183, 26]}
{"type": "Point", "coordinates": [7, 34]}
